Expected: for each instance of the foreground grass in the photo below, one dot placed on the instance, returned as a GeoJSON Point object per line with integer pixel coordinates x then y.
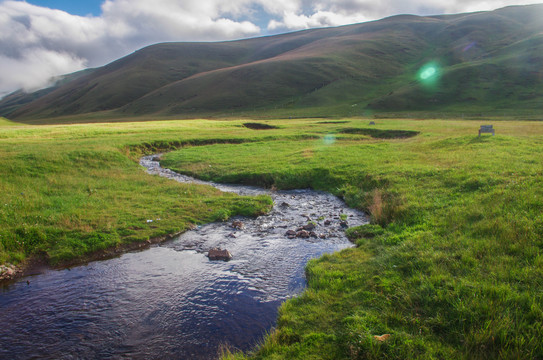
{"type": "Point", "coordinates": [452, 266]}
{"type": "Point", "coordinates": [69, 191]}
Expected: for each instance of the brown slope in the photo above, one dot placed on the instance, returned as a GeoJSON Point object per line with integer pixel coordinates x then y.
{"type": "Point", "coordinates": [367, 53]}
{"type": "Point", "coordinates": [371, 64]}
{"type": "Point", "coordinates": [131, 77]}
{"type": "Point", "coordinates": [151, 68]}
{"type": "Point", "coordinates": [362, 58]}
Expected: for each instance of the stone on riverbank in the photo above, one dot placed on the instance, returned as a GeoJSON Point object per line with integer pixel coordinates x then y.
{"type": "Point", "coordinates": [8, 272]}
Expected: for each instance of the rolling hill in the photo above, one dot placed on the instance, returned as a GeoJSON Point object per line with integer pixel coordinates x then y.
{"type": "Point", "coordinates": [484, 61]}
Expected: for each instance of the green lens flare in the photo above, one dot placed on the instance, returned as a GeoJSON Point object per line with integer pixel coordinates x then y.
{"type": "Point", "coordinates": [329, 139]}
{"type": "Point", "coordinates": [429, 74]}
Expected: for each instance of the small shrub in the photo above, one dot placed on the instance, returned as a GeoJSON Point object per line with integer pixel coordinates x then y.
{"type": "Point", "coordinates": [384, 207]}
{"type": "Point", "coordinates": [376, 206]}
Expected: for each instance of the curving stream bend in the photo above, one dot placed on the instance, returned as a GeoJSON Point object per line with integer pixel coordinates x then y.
{"type": "Point", "coordinates": [171, 301]}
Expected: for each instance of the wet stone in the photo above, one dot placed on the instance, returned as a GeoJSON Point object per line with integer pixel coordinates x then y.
{"type": "Point", "coordinates": [309, 227]}
{"type": "Point", "coordinates": [302, 234]}
{"type": "Point", "coordinates": [242, 294]}
{"type": "Point", "coordinates": [219, 254]}
{"type": "Point", "coordinates": [237, 224]}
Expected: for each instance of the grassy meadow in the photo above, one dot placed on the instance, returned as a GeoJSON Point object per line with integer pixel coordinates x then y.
{"type": "Point", "coordinates": [451, 265]}
{"type": "Point", "coordinates": [72, 190]}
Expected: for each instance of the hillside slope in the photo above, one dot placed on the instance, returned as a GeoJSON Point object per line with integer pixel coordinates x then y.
{"type": "Point", "coordinates": [479, 62]}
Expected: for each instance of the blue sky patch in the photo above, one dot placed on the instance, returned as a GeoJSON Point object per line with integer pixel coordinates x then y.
{"type": "Point", "coordinates": [75, 7]}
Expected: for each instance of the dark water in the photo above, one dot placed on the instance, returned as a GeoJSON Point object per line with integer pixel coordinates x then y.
{"type": "Point", "coordinates": [171, 301]}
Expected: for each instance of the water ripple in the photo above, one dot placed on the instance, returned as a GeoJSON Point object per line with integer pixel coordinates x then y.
{"type": "Point", "coordinates": [171, 301]}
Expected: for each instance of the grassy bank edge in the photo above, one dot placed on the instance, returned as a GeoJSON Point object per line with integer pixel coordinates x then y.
{"type": "Point", "coordinates": [467, 306]}
{"type": "Point", "coordinates": [37, 262]}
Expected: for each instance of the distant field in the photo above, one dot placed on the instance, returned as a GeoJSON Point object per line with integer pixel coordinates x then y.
{"type": "Point", "coordinates": [450, 267]}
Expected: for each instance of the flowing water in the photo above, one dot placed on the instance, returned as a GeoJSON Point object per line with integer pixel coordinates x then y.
{"type": "Point", "coordinates": [170, 301]}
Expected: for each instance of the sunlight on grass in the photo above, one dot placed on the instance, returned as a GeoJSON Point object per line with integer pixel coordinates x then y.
{"type": "Point", "coordinates": [450, 267]}
{"type": "Point", "coordinates": [69, 191]}
{"type": "Point", "coordinates": [5, 123]}
{"type": "Point", "coordinates": [457, 224]}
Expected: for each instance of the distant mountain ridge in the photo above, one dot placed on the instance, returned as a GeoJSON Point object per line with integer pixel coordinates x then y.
{"type": "Point", "coordinates": [479, 61]}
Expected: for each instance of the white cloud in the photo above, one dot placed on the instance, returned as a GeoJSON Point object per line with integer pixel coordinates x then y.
{"type": "Point", "coordinates": [144, 21]}
{"type": "Point", "coordinates": [293, 21]}
{"type": "Point", "coordinates": [37, 43]}
{"type": "Point", "coordinates": [321, 13]}
{"type": "Point", "coordinates": [36, 68]}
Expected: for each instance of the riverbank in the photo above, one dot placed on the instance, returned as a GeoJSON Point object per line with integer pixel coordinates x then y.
{"type": "Point", "coordinates": [10, 273]}
{"type": "Point", "coordinates": [267, 267]}
{"type": "Point", "coordinates": [451, 267]}
{"type": "Point", "coordinates": [74, 193]}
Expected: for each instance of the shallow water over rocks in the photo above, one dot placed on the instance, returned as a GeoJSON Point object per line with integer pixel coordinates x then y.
{"type": "Point", "coordinates": [171, 301]}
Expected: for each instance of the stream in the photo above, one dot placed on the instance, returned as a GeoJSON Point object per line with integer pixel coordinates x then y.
{"type": "Point", "coordinates": [170, 301]}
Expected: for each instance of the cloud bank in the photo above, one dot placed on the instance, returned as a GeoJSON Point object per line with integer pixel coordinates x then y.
{"type": "Point", "coordinates": [38, 43]}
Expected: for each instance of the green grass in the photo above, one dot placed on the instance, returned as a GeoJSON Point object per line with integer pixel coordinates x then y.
{"type": "Point", "coordinates": [5, 122]}
{"type": "Point", "coordinates": [70, 191]}
{"type": "Point", "coordinates": [451, 265]}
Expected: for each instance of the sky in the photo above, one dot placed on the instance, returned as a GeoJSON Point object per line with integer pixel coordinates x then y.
{"type": "Point", "coordinates": [42, 39]}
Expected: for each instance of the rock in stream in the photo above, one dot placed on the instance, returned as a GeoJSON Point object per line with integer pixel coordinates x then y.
{"type": "Point", "coordinates": [172, 300]}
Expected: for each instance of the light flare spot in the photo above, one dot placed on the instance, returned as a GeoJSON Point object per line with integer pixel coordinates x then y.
{"type": "Point", "coordinates": [329, 139]}
{"type": "Point", "coordinates": [429, 74]}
